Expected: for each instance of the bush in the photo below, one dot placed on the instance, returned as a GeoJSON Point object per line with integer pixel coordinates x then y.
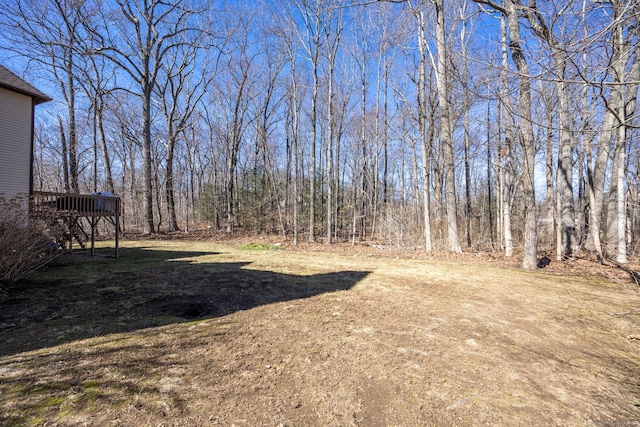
{"type": "Point", "coordinates": [25, 245]}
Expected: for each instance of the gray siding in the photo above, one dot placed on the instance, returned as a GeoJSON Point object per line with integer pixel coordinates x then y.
{"type": "Point", "coordinates": [15, 143]}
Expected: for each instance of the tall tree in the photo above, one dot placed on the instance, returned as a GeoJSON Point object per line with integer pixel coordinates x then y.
{"type": "Point", "coordinates": [618, 92]}
{"type": "Point", "coordinates": [182, 83]}
{"type": "Point", "coordinates": [564, 175]}
{"type": "Point", "coordinates": [422, 113]}
{"type": "Point", "coordinates": [467, 137]}
{"type": "Point", "coordinates": [235, 93]}
{"type": "Point", "coordinates": [332, 36]}
{"type": "Point", "coordinates": [506, 168]}
{"type": "Point", "coordinates": [625, 42]}
{"type": "Point", "coordinates": [289, 37]}
{"type": "Point", "coordinates": [446, 135]}
{"type": "Point", "coordinates": [511, 11]}
{"type": "Point", "coordinates": [137, 36]}
{"type": "Point", "coordinates": [311, 36]}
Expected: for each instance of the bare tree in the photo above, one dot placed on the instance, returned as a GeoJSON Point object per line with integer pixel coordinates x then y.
{"type": "Point", "coordinates": [182, 83]}
{"type": "Point", "coordinates": [314, 120]}
{"type": "Point", "coordinates": [624, 48]}
{"type": "Point", "coordinates": [332, 36]}
{"type": "Point", "coordinates": [266, 103]}
{"type": "Point", "coordinates": [422, 112]}
{"type": "Point", "coordinates": [97, 84]}
{"type": "Point", "coordinates": [137, 36]}
{"type": "Point", "coordinates": [618, 92]}
{"type": "Point", "coordinates": [511, 11]}
{"type": "Point", "coordinates": [48, 33]}
{"type": "Point", "coordinates": [312, 40]}
{"type": "Point", "coordinates": [446, 135]}
{"type": "Point", "coordinates": [564, 176]}
{"type": "Point", "coordinates": [467, 137]}
{"type": "Point", "coordinates": [504, 151]}
{"type": "Point", "coordinates": [371, 34]}
{"type": "Point", "coordinates": [287, 32]}
{"type": "Point", "coordinates": [234, 94]}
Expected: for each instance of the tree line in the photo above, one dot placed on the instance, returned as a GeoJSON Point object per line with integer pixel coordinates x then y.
{"type": "Point", "coordinates": [433, 124]}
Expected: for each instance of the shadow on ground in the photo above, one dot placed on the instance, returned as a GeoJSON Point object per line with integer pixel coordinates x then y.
{"type": "Point", "coordinates": [143, 289]}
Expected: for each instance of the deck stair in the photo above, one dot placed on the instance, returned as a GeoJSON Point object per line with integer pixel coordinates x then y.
{"type": "Point", "coordinates": [75, 217]}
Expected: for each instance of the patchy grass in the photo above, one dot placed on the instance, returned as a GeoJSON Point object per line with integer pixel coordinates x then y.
{"type": "Point", "coordinates": [258, 247]}
{"type": "Point", "coordinates": [200, 333]}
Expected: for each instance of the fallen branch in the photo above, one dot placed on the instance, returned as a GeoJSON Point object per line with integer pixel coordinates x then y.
{"type": "Point", "coordinates": [637, 310]}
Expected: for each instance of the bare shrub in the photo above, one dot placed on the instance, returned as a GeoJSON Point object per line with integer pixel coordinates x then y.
{"type": "Point", "coordinates": [25, 245]}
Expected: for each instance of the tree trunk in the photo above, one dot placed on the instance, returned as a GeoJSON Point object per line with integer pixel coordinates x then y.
{"type": "Point", "coordinates": [425, 143]}
{"type": "Point", "coordinates": [314, 136]}
{"type": "Point", "coordinates": [549, 197]}
{"type": "Point", "coordinates": [489, 184]}
{"type": "Point", "coordinates": [528, 144]}
{"type": "Point", "coordinates": [621, 210]}
{"type": "Point", "coordinates": [598, 172]}
{"type": "Point", "coordinates": [623, 104]}
{"type": "Point", "coordinates": [147, 167]}
{"type": "Point", "coordinates": [169, 187]}
{"type": "Point", "coordinates": [446, 135]}
{"type": "Point", "coordinates": [73, 133]}
{"type": "Point", "coordinates": [294, 137]}
{"type": "Point", "coordinates": [105, 149]}
{"type": "Point", "coordinates": [506, 151]}
{"type": "Point", "coordinates": [65, 155]}
{"type": "Point", "coordinates": [330, 166]}
{"type": "Point", "coordinates": [510, 11]}
{"type": "Point", "coordinates": [467, 139]}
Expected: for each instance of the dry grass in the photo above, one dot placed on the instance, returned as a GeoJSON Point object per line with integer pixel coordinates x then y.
{"type": "Point", "coordinates": [198, 333]}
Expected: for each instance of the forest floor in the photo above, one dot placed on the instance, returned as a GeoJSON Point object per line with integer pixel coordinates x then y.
{"type": "Point", "coordinates": [202, 332]}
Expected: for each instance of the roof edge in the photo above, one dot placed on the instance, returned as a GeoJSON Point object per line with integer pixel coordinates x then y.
{"type": "Point", "coordinates": [11, 81]}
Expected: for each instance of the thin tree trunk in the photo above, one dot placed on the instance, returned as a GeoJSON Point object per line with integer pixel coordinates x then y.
{"type": "Point", "coordinates": [147, 167]}
{"type": "Point", "coordinates": [314, 136]}
{"type": "Point", "coordinates": [467, 139]}
{"type": "Point", "coordinates": [359, 205]}
{"type": "Point", "coordinates": [296, 153]}
{"type": "Point", "coordinates": [489, 185]}
{"type": "Point", "coordinates": [619, 169]}
{"type": "Point", "coordinates": [73, 134]}
{"type": "Point", "coordinates": [424, 142]}
{"type": "Point", "coordinates": [330, 166]}
{"type": "Point", "coordinates": [564, 174]}
{"type": "Point", "coordinates": [65, 155]}
{"type": "Point", "coordinates": [385, 133]}
{"type": "Point", "coordinates": [507, 149]}
{"type": "Point", "coordinates": [169, 187]}
{"type": "Point", "coordinates": [549, 198]}
{"type": "Point", "coordinates": [105, 149]}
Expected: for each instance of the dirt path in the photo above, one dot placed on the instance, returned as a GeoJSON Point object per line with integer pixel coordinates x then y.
{"type": "Point", "coordinates": [220, 336]}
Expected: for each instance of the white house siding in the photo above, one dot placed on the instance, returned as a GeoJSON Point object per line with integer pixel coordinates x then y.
{"type": "Point", "coordinates": [15, 143]}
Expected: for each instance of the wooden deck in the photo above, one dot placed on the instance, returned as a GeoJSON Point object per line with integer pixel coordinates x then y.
{"type": "Point", "coordinates": [70, 213]}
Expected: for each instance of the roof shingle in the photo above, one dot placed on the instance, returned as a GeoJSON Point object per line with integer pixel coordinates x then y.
{"type": "Point", "coordinates": [10, 81]}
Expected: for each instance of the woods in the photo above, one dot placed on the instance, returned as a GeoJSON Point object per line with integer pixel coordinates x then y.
{"type": "Point", "coordinates": [505, 125]}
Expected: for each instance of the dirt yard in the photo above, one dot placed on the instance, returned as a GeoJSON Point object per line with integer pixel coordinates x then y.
{"type": "Point", "coordinates": [198, 333]}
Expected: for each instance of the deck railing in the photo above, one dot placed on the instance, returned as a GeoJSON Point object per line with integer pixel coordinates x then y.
{"type": "Point", "coordinates": [46, 204]}
{"type": "Point", "coordinates": [69, 213]}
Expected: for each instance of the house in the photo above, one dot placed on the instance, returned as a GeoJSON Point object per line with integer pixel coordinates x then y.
{"type": "Point", "coordinates": [68, 215]}
{"type": "Point", "coordinates": [17, 106]}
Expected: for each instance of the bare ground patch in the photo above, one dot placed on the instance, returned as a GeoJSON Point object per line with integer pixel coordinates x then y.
{"type": "Point", "coordinates": [195, 333]}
